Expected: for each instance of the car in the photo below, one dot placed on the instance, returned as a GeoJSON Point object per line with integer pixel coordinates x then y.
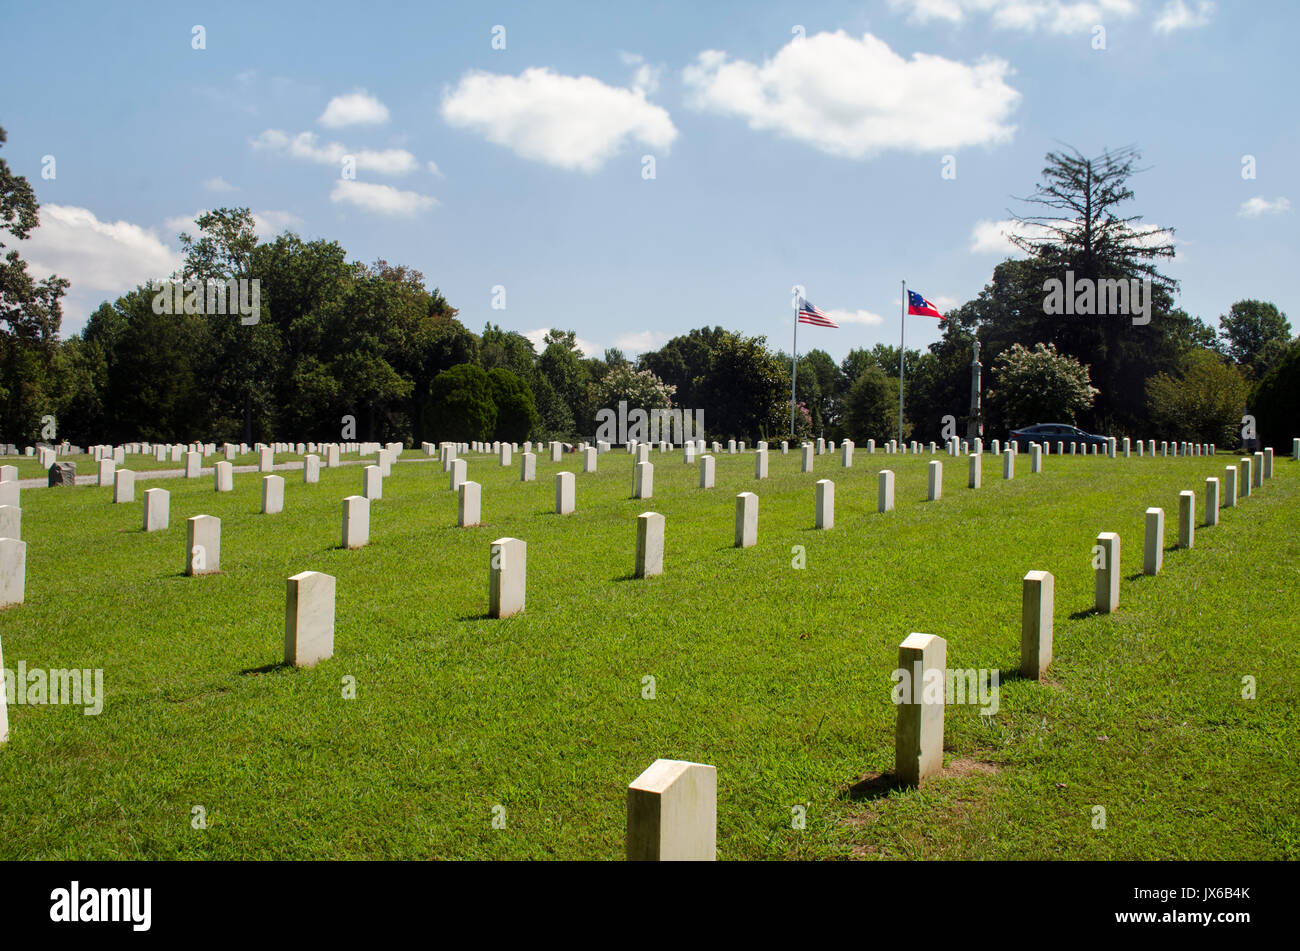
{"type": "Point", "coordinates": [1052, 433]}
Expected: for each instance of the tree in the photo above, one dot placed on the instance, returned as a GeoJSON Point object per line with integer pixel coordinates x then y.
{"type": "Point", "coordinates": [683, 363]}
{"type": "Point", "coordinates": [641, 389]}
{"type": "Point", "coordinates": [561, 364]}
{"type": "Point", "coordinates": [463, 409]}
{"type": "Point", "coordinates": [871, 407]}
{"type": "Point", "coordinates": [1276, 400]}
{"type": "Point", "coordinates": [1203, 403]}
{"type": "Point", "coordinates": [745, 392]}
{"type": "Point", "coordinates": [30, 315]}
{"type": "Point", "coordinates": [1255, 335]}
{"type": "Point", "coordinates": [516, 411]}
{"type": "Point", "coordinates": [1038, 385]}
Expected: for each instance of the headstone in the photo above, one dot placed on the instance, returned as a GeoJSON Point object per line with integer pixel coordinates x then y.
{"type": "Point", "coordinates": [203, 556]}
{"type": "Point", "coordinates": [564, 493]}
{"type": "Point", "coordinates": [308, 619]}
{"type": "Point", "coordinates": [672, 813]}
{"type": "Point", "coordinates": [11, 521]}
{"type": "Point", "coordinates": [746, 520]}
{"type": "Point", "coordinates": [1245, 482]}
{"type": "Point", "coordinates": [1106, 563]}
{"type": "Point", "coordinates": [555, 451]}
{"type": "Point", "coordinates": [177, 449]}
{"type": "Point", "coordinates": [508, 573]}
{"type": "Point", "coordinates": [846, 454]}
{"type": "Point", "coordinates": [528, 467]}
{"type": "Point", "coordinates": [157, 509]}
{"type": "Point", "coordinates": [885, 491]}
{"type": "Point", "coordinates": [1037, 601]}
{"type": "Point", "coordinates": [13, 573]}
{"type": "Point", "coordinates": [975, 470]}
{"type": "Point", "coordinates": [106, 469]}
{"type": "Point", "coordinates": [469, 512]}
{"type": "Point", "coordinates": [918, 737]}
{"type": "Point", "coordinates": [223, 476]}
{"type": "Point", "coordinates": [459, 472]}
{"type": "Point", "coordinates": [1008, 464]}
{"type": "Point", "coordinates": [1266, 470]}
{"type": "Point", "coordinates": [1230, 487]}
{"type": "Point", "coordinates": [372, 483]}
{"type": "Point", "coordinates": [1211, 501]}
{"type": "Point", "coordinates": [1035, 458]}
{"type": "Point", "coordinates": [265, 459]}
{"type": "Point", "coordinates": [760, 464]}
{"type": "Point", "coordinates": [1186, 518]}
{"type": "Point", "coordinates": [62, 473]}
{"type": "Point", "coordinates": [230, 452]}
{"type": "Point", "coordinates": [1257, 470]}
{"type": "Point", "coordinates": [311, 469]}
{"type": "Point", "coordinates": [589, 457]}
{"type": "Point", "coordinates": [193, 463]}
{"type": "Point", "coordinates": [1295, 449]}
{"type": "Point", "coordinates": [996, 447]}
{"type": "Point", "coordinates": [825, 503]}
{"type": "Point", "coordinates": [1153, 552]}
{"type": "Point", "coordinates": [8, 473]}
{"type": "Point", "coordinates": [649, 544]}
{"type": "Point", "coordinates": [9, 494]}
{"type": "Point", "coordinates": [645, 480]}
{"type": "Point", "coordinates": [934, 490]}
{"type": "Point", "coordinates": [356, 522]}
{"type": "Point", "coordinates": [504, 454]}
{"type": "Point", "coordinates": [807, 457]}
{"type": "Point", "coordinates": [688, 453]}
{"type": "Point", "coordinates": [272, 494]}
{"type": "Point", "coordinates": [1126, 447]}
{"type": "Point", "coordinates": [332, 456]}
{"type": "Point", "coordinates": [706, 472]}
{"type": "Point", "coordinates": [123, 486]}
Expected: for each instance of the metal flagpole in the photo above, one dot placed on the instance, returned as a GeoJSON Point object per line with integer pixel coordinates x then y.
{"type": "Point", "coordinates": [794, 363]}
{"type": "Point", "coordinates": [902, 324]}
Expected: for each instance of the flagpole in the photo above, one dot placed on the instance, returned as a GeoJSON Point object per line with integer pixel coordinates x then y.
{"type": "Point", "coordinates": [794, 362]}
{"type": "Point", "coordinates": [902, 324]}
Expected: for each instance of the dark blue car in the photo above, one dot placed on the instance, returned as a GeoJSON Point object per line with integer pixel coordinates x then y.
{"type": "Point", "coordinates": [1053, 433]}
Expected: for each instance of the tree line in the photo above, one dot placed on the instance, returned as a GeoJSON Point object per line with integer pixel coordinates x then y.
{"type": "Point", "coordinates": [345, 350]}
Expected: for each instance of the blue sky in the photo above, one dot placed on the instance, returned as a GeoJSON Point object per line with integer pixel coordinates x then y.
{"type": "Point", "coordinates": [792, 144]}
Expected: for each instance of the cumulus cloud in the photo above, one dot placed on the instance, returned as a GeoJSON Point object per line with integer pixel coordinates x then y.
{"type": "Point", "coordinates": [356, 108]}
{"type": "Point", "coordinates": [537, 338]}
{"type": "Point", "coordinates": [1177, 15]}
{"type": "Point", "coordinates": [855, 98]}
{"type": "Point", "coordinates": [219, 184]}
{"type": "Point", "coordinates": [266, 224]}
{"type": "Point", "coordinates": [994, 237]}
{"type": "Point", "coordinates": [571, 122]}
{"type": "Point", "coordinates": [640, 341]}
{"type": "Point", "coordinates": [307, 147]}
{"type": "Point", "coordinates": [864, 317]}
{"type": "Point", "coordinates": [1259, 205]}
{"type": "Point", "coordinates": [1055, 16]}
{"type": "Point", "coordinates": [380, 199]}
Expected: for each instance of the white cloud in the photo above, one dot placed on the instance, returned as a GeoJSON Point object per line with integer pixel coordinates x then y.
{"type": "Point", "coordinates": [1177, 15]}
{"type": "Point", "coordinates": [993, 237]}
{"type": "Point", "coordinates": [865, 317]}
{"type": "Point", "coordinates": [1055, 16]}
{"type": "Point", "coordinates": [856, 97]}
{"type": "Point", "coordinates": [305, 146]}
{"type": "Point", "coordinates": [219, 184]}
{"type": "Point", "coordinates": [1257, 206]}
{"type": "Point", "coordinates": [432, 166]}
{"type": "Point", "coordinates": [381, 199]}
{"type": "Point", "coordinates": [640, 341]}
{"type": "Point", "coordinates": [537, 337]}
{"type": "Point", "coordinates": [356, 108]}
{"type": "Point", "coordinates": [571, 122]}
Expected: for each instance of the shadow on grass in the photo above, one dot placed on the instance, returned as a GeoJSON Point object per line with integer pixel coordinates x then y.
{"type": "Point", "coordinates": [264, 669]}
{"type": "Point", "coordinates": [485, 616]}
{"type": "Point", "coordinates": [875, 786]}
{"type": "Point", "coordinates": [1080, 615]}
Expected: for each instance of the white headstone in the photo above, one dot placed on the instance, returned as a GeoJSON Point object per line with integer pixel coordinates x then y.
{"type": "Point", "coordinates": [1008, 464]}
{"type": "Point", "coordinates": [356, 522]}
{"type": "Point", "coordinates": [308, 619]}
{"type": "Point", "coordinates": [564, 493]}
{"type": "Point", "coordinates": [13, 572]}
{"type": "Point", "coordinates": [508, 573]}
{"type": "Point", "coordinates": [885, 491]}
{"type": "Point", "coordinates": [157, 509]}
{"type": "Point", "coordinates": [649, 544]}
{"type": "Point", "coordinates": [918, 737]}
{"type": "Point", "coordinates": [645, 481]}
{"type": "Point", "coordinates": [223, 477]}
{"type": "Point", "coordinates": [469, 510]}
{"type": "Point", "coordinates": [1106, 563]}
{"type": "Point", "coordinates": [825, 503]}
{"type": "Point", "coordinates": [706, 472]}
{"type": "Point", "coordinates": [272, 494]}
{"type": "Point", "coordinates": [807, 457]}
{"type": "Point", "coordinates": [11, 521]}
{"type": "Point", "coordinates": [1153, 553]}
{"type": "Point", "coordinates": [1230, 487]}
{"type": "Point", "coordinates": [760, 464]}
{"type": "Point", "coordinates": [459, 472]}
{"type": "Point", "coordinates": [975, 474]}
{"type": "Point", "coordinates": [123, 486]}
{"type": "Point", "coordinates": [203, 537]}
{"type": "Point", "coordinates": [311, 469]}
{"type": "Point", "coordinates": [528, 467]}
{"type": "Point", "coordinates": [1186, 518]}
{"type": "Point", "coordinates": [935, 487]}
{"type": "Point", "coordinates": [746, 520]}
{"type": "Point", "coordinates": [265, 459]}
{"type": "Point", "coordinates": [106, 469]}
{"type": "Point", "coordinates": [672, 813]}
{"type": "Point", "coordinates": [1038, 597]}
{"type": "Point", "coordinates": [1211, 501]}
{"type": "Point", "coordinates": [372, 483]}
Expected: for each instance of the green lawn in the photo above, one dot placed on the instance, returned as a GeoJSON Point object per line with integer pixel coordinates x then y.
{"type": "Point", "coordinates": [779, 677]}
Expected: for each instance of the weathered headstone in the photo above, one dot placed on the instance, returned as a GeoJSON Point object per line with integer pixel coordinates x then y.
{"type": "Point", "coordinates": [62, 473]}
{"type": "Point", "coordinates": [645, 481]}
{"type": "Point", "coordinates": [672, 813]}
{"type": "Point", "coordinates": [311, 469]}
{"type": "Point", "coordinates": [527, 467]}
{"type": "Point", "coordinates": [1186, 518]}
{"type": "Point", "coordinates": [706, 472]}
{"type": "Point", "coordinates": [508, 573]}
{"type": "Point", "coordinates": [934, 489]}
{"type": "Point", "coordinates": [123, 486]}
{"type": "Point", "coordinates": [975, 470]}
{"type": "Point", "coordinates": [308, 619]}
{"type": "Point", "coordinates": [918, 736]}
{"type": "Point", "coordinates": [272, 494]}
{"type": "Point", "coordinates": [1211, 501]}
{"type": "Point", "coordinates": [564, 493]}
{"type": "Point", "coordinates": [760, 464]}
{"type": "Point", "coordinates": [649, 544]}
{"type": "Point", "coordinates": [223, 477]}
{"type": "Point", "coordinates": [203, 538]}
{"type": "Point", "coordinates": [1257, 470]}
{"type": "Point", "coordinates": [885, 491]}
{"type": "Point", "coordinates": [106, 469]}
{"type": "Point", "coordinates": [1008, 464]}
{"type": "Point", "coordinates": [356, 522]}
{"type": "Point", "coordinates": [825, 503]}
{"type": "Point", "coordinates": [11, 521]}
{"type": "Point", "coordinates": [372, 483]}
{"type": "Point", "coordinates": [1037, 602]}
{"type": "Point", "coordinates": [13, 573]}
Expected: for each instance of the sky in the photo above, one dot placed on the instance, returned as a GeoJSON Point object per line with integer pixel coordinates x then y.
{"type": "Point", "coordinates": [633, 171]}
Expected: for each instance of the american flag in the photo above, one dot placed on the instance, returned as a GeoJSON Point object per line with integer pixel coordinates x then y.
{"type": "Point", "coordinates": [808, 314]}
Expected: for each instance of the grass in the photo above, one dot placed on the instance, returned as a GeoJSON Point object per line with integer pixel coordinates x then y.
{"type": "Point", "coordinates": [778, 676]}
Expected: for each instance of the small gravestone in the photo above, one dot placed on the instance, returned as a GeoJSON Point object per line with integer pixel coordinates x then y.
{"type": "Point", "coordinates": [975, 473]}
{"type": "Point", "coordinates": [308, 619]}
{"type": "Point", "coordinates": [507, 576]}
{"type": "Point", "coordinates": [649, 544]}
{"type": "Point", "coordinates": [589, 459]}
{"type": "Point", "coordinates": [1035, 458]}
{"type": "Point", "coordinates": [564, 493]}
{"type": "Point", "coordinates": [807, 457]}
{"type": "Point", "coordinates": [123, 486]}
{"type": "Point", "coordinates": [157, 509]}
{"type": "Point", "coordinates": [311, 469]}
{"type": "Point", "coordinates": [62, 473]}
{"type": "Point", "coordinates": [8, 473]}
{"type": "Point", "coordinates": [223, 476]}
{"type": "Point", "coordinates": [1186, 518]}
{"type": "Point", "coordinates": [503, 455]}
{"type": "Point", "coordinates": [760, 464]}
{"type": "Point", "coordinates": [1008, 464]}
{"type": "Point", "coordinates": [672, 813]}
{"type": "Point", "coordinates": [1038, 597]}
{"type": "Point", "coordinates": [885, 491]}
{"type": "Point", "coordinates": [193, 462]}
{"type": "Point", "coordinates": [265, 459]}
{"type": "Point", "coordinates": [372, 483]}
{"type": "Point", "coordinates": [846, 454]}
{"type": "Point", "coordinates": [272, 494]}
{"type": "Point", "coordinates": [1244, 481]}
{"type": "Point", "coordinates": [1153, 552]}
{"type": "Point", "coordinates": [918, 736]}
{"type": "Point", "coordinates": [1106, 566]}
{"type": "Point", "coordinates": [203, 556]}
{"type": "Point", "coordinates": [1257, 470]}
{"type": "Point", "coordinates": [469, 509]}
{"type": "Point", "coordinates": [106, 469]}
{"type": "Point", "coordinates": [13, 573]}
{"type": "Point", "coordinates": [11, 521]}
{"type": "Point", "coordinates": [645, 481]}
{"type": "Point", "coordinates": [9, 493]}
{"type": "Point", "coordinates": [825, 504]}
{"type": "Point", "coordinates": [934, 490]}
{"type": "Point", "coordinates": [746, 520]}
{"type": "Point", "coordinates": [706, 472]}
{"type": "Point", "coordinates": [356, 522]}
{"type": "Point", "coordinates": [1211, 501]}
{"type": "Point", "coordinates": [459, 472]}
{"type": "Point", "coordinates": [1230, 487]}
{"type": "Point", "coordinates": [527, 467]}
{"type": "Point", "coordinates": [332, 457]}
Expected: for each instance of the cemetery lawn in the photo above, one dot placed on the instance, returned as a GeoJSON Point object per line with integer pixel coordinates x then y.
{"type": "Point", "coordinates": [778, 676]}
